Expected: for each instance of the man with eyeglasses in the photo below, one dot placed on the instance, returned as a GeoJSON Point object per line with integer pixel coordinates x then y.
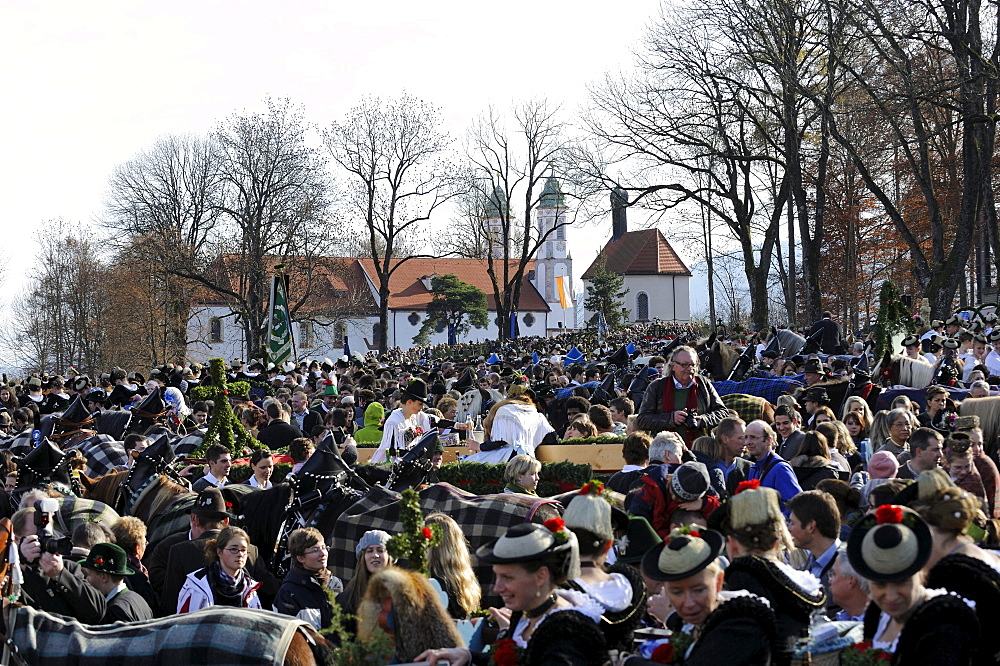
{"type": "Point", "coordinates": [680, 402]}
{"type": "Point", "coordinates": [769, 468]}
{"type": "Point", "coordinates": [303, 593]}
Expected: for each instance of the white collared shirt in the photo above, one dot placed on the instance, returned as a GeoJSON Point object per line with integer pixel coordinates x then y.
{"type": "Point", "coordinates": [218, 483]}
{"type": "Point", "coordinates": [254, 484]}
{"type": "Point", "coordinates": [121, 588]}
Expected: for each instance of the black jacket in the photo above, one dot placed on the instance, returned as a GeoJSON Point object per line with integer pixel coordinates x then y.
{"type": "Point", "coordinates": [156, 560]}
{"type": "Point", "coordinates": [278, 434]}
{"type": "Point", "coordinates": [68, 594]}
{"type": "Point", "coordinates": [832, 342]}
{"type": "Point", "coordinates": [741, 631]}
{"type": "Point", "coordinates": [793, 606]}
{"type": "Point", "coordinates": [300, 591]}
{"type": "Point", "coordinates": [564, 638]}
{"type": "Point", "coordinates": [127, 606]}
{"type": "Point", "coordinates": [977, 581]}
{"type": "Point", "coordinates": [942, 631]}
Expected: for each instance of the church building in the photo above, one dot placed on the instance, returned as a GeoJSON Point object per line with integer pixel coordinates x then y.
{"type": "Point", "coordinates": [657, 280]}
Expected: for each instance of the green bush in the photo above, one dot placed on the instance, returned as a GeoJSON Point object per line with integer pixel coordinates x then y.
{"type": "Point", "coordinates": [477, 478]}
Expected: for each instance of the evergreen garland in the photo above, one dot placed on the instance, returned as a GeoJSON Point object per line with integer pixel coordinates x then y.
{"type": "Point", "coordinates": [892, 318]}
{"type": "Point", "coordinates": [417, 536]}
{"type": "Point", "coordinates": [223, 428]}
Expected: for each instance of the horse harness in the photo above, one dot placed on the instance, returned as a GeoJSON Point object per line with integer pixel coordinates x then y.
{"type": "Point", "coordinates": [305, 510]}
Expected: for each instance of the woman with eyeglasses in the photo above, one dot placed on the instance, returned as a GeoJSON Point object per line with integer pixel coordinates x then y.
{"type": "Point", "coordinates": [224, 582]}
{"type": "Point", "coordinates": [303, 592]}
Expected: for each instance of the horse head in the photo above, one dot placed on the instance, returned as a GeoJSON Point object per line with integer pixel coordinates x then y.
{"type": "Point", "coordinates": [148, 412]}
{"type": "Point", "coordinates": [46, 466]}
{"type": "Point", "coordinates": [323, 469]}
{"type": "Point", "coordinates": [414, 465]}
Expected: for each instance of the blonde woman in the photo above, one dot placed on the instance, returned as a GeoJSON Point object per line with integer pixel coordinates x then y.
{"type": "Point", "coordinates": [521, 475]}
{"type": "Point", "coordinates": [451, 565]}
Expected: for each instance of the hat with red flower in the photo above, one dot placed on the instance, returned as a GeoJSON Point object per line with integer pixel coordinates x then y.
{"type": "Point", "coordinates": [527, 542]}
{"type": "Point", "coordinates": [107, 558]}
{"type": "Point", "coordinates": [686, 551]}
{"type": "Point", "coordinates": [210, 504]}
{"type": "Point", "coordinates": [590, 510]}
{"type": "Point", "coordinates": [890, 545]}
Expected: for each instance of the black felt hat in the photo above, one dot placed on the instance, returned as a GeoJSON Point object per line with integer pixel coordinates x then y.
{"type": "Point", "coordinates": [890, 545]}
{"type": "Point", "coordinates": [415, 390]}
{"type": "Point", "coordinates": [686, 552]}
{"type": "Point", "coordinates": [526, 542]}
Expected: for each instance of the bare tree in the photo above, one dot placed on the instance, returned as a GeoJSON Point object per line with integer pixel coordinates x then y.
{"type": "Point", "coordinates": [161, 211]}
{"type": "Point", "coordinates": [59, 318]}
{"type": "Point", "coordinates": [272, 205]}
{"type": "Point", "coordinates": [511, 176]}
{"type": "Point", "coordinates": [399, 168]}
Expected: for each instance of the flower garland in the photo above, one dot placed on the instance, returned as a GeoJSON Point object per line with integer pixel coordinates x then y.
{"type": "Point", "coordinates": [417, 536]}
{"type": "Point", "coordinates": [863, 654]}
{"type": "Point", "coordinates": [223, 428]}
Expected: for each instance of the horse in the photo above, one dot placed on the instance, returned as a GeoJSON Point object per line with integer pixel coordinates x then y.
{"type": "Point", "coordinates": [211, 636]}
{"type": "Point", "coordinates": [905, 371]}
{"type": "Point", "coordinates": [749, 407]}
{"type": "Point", "coordinates": [988, 411]}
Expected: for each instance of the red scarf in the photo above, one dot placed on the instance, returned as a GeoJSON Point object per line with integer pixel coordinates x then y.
{"type": "Point", "coordinates": [692, 402]}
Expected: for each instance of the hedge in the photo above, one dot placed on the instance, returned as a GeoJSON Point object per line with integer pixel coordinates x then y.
{"type": "Point", "coordinates": [476, 478]}
{"type": "Point", "coordinates": [603, 439]}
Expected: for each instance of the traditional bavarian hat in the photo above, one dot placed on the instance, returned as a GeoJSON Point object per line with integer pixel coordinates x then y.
{"type": "Point", "coordinates": [527, 542]}
{"type": "Point", "coordinates": [953, 320]}
{"type": "Point", "coordinates": [910, 341]}
{"type": "Point", "coordinates": [684, 553]}
{"type": "Point", "coordinates": [815, 365]}
{"type": "Point", "coordinates": [211, 504]}
{"type": "Point", "coordinates": [639, 538]}
{"type": "Point", "coordinates": [415, 390]}
{"type": "Point", "coordinates": [107, 558]}
{"type": "Point", "coordinates": [995, 335]}
{"type": "Point", "coordinates": [890, 545]}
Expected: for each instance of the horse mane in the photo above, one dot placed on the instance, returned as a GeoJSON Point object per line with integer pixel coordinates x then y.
{"type": "Point", "coordinates": [988, 411]}
{"type": "Point", "coordinates": [157, 497]}
{"type": "Point", "coordinates": [915, 374]}
{"type": "Point", "coordinates": [266, 510]}
{"type": "Point", "coordinates": [104, 488]}
{"type": "Point", "coordinates": [726, 356]}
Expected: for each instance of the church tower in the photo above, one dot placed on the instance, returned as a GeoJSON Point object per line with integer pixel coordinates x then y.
{"type": "Point", "coordinates": [496, 213]}
{"type": "Point", "coordinates": [554, 259]}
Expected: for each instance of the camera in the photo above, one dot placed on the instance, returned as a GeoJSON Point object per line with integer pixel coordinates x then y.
{"type": "Point", "coordinates": [45, 511]}
{"type": "Point", "coordinates": [692, 419]}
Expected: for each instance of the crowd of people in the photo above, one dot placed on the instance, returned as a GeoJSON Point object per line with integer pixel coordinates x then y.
{"type": "Point", "coordinates": [748, 541]}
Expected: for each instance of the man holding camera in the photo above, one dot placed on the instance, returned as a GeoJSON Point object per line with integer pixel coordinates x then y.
{"type": "Point", "coordinates": [680, 402]}
{"type": "Point", "coordinates": [52, 582]}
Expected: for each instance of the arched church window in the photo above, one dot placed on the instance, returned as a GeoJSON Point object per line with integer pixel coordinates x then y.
{"type": "Point", "coordinates": [642, 307]}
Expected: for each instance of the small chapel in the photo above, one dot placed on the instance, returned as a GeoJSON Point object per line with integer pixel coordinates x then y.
{"type": "Point", "coordinates": [657, 279]}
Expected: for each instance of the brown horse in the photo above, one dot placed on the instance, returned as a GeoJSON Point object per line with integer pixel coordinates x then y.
{"type": "Point", "coordinates": [154, 505]}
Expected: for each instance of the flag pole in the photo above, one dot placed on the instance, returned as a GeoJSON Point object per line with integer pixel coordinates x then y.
{"type": "Point", "coordinates": [270, 320]}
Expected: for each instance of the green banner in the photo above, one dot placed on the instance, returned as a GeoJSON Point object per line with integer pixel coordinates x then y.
{"type": "Point", "coordinates": [279, 342]}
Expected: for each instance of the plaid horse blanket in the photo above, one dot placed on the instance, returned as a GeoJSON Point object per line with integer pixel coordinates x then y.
{"type": "Point", "coordinates": [174, 518]}
{"type": "Point", "coordinates": [768, 388]}
{"type": "Point", "coordinates": [749, 407]}
{"type": "Point", "coordinates": [482, 518]}
{"type": "Point", "coordinates": [171, 520]}
{"type": "Point", "coordinates": [103, 454]}
{"type": "Point", "coordinates": [74, 510]}
{"type": "Point", "coordinates": [214, 636]}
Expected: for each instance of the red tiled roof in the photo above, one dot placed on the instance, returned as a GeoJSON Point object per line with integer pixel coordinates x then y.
{"type": "Point", "coordinates": [337, 278]}
{"type": "Point", "coordinates": [335, 282]}
{"type": "Point", "coordinates": [407, 292]}
{"type": "Point", "coordinates": [644, 252]}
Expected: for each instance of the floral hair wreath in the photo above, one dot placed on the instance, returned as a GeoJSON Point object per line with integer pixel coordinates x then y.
{"type": "Point", "coordinates": [592, 487]}
{"type": "Point", "coordinates": [558, 528]}
{"type": "Point", "coordinates": [683, 531]}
